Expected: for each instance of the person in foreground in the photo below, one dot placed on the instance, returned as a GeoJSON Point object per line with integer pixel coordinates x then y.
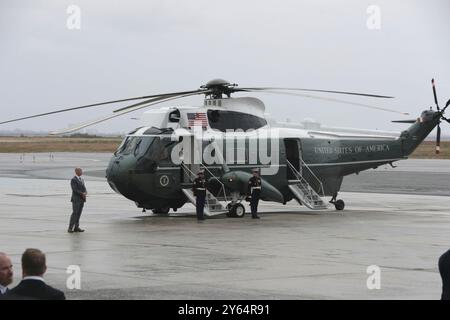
{"type": "Point", "coordinates": [6, 273]}
{"type": "Point", "coordinates": [33, 284]}
{"type": "Point", "coordinates": [444, 270]}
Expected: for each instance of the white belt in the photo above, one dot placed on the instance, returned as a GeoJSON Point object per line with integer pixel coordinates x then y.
{"type": "Point", "coordinates": [256, 188]}
{"type": "Point", "coordinates": [200, 188]}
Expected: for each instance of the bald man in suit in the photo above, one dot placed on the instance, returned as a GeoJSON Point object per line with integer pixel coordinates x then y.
{"type": "Point", "coordinates": [78, 199]}
{"type": "Point", "coordinates": [6, 273]}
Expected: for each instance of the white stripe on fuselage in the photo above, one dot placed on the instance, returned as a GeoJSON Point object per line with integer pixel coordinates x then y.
{"type": "Point", "coordinates": [283, 165]}
{"type": "Point", "coordinates": [351, 162]}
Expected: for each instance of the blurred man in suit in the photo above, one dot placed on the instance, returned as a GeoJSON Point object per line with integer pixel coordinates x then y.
{"type": "Point", "coordinates": [33, 284]}
{"type": "Point", "coordinates": [444, 270]}
{"type": "Point", "coordinates": [6, 273]}
{"type": "Point", "coordinates": [78, 199]}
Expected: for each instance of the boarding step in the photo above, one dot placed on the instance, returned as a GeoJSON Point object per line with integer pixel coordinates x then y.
{"type": "Point", "coordinates": [306, 195]}
{"type": "Point", "coordinates": [212, 206]}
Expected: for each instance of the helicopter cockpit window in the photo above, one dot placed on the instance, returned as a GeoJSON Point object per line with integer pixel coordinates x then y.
{"type": "Point", "coordinates": [137, 147]}
{"type": "Point", "coordinates": [223, 120]}
{"type": "Point", "coordinates": [166, 148]}
{"type": "Point", "coordinates": [122, 146]}
{"type": "Point", "coordinates": [130, 145]}
{"type": "Point", "coordinates": [154, 152]}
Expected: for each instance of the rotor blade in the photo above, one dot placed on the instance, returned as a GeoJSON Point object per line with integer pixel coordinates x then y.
{"type": "Point", "coordinates": [434, 94]}
{"type": "Point", "coordinates": [446, 105]}
{"type": "Point", "coordinates": [132, 108]}
{"type": "Point", "coordinates": [438, 139]}
{"type": "Point", "coordinates": [404, 121]}
{"type": "Point", "coordinates": [144, 102]}
{"type": "Point", "coordinates": [174, 95]}
{"type": "Point", "coordinates": [99, 104]}
{"type": "Point", "coordinates": [317, 90]}
{"type": "Point", "coordinates": [331, 100]}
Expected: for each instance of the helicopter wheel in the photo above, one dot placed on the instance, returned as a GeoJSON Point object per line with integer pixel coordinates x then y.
{"type": "Point", "coordinates": [161, 210]}
{"type": "Point", "coordinates": [236, 210]}
{"type": "Point", "coordinates": [339, 204]}
{"type": "Point", "coordinates": [239, 211]}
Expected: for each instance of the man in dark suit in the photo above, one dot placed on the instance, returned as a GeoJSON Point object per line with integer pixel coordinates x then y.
{"type": "Point", "coordinates": [33, 284]}
{"type": "Point", "coordinates": [444, 270]}
{"type": "Point", "coordinates": [6, 273]}
{"type": "Point", "coordinates": [78, 199]}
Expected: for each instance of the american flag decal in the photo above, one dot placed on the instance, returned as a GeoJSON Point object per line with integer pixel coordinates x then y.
{"type": "Point", "coordinates": [197, 119]}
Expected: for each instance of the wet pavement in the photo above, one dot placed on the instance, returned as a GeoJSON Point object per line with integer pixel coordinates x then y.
{"type": "Point", "coordinates": [291, 253]}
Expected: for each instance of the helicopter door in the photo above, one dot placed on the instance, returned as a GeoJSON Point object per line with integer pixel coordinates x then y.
{"type": "Point", "coordinates": [293, 155]}
{"type": "Point", "coordinates": [191, 157]}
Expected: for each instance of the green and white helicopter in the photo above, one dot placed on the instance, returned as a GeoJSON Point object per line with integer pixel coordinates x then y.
{"type": "Point", "coordinates": [227, 137]}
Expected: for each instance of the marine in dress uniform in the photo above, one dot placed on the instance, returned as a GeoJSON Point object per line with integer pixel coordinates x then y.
{"type": "Point", "coordinates": [199, 189]}
{"type": "Point", "coordinates": [254, 190]}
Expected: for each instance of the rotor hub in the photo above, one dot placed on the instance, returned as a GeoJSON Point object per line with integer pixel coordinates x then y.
{"type": "Point", "coordinates": [218, 87]}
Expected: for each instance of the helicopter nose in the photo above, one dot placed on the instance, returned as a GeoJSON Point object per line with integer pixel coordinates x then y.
{"type": "Point", "coordinates": [120, 184]}
{"type": "Point", "coordinates": [116, 175]}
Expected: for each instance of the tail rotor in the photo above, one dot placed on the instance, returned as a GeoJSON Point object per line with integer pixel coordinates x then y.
{"type": "Point", "coordinates": [441, 117]}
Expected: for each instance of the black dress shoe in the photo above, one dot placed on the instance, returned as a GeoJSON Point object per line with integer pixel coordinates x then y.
{"type": "Point", "coordinates": [255, 217]}
{"type": "Point", "coordinates": [78, 230]}
{"type": "Point", "coordinates": [70, 231]}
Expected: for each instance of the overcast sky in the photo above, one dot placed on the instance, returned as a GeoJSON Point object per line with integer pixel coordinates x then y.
{"type": "Point", "coordinates": [133, 48]}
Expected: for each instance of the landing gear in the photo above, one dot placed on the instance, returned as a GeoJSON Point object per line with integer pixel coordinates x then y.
{"type": "Point", "coordinates": [161, 210]}
{"type": "Point", "coordinates": [338, 204]}
{"type": "Point", "coordinates": [236, 210]}
{"type": "Point", "coordinates": [239, 210]}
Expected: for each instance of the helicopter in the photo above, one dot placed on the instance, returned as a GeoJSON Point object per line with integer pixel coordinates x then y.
{"type": "Point", "coordinates": [228, 137]}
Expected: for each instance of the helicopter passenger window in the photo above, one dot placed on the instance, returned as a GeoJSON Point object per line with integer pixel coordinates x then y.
{"type": "Point", "coordinates": [174, 116]}
{"type": "Point", "coordinates": [223, 120]}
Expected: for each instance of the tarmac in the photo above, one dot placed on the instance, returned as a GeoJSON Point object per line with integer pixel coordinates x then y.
{"type": "Point", "coordinates": [399, 220]}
